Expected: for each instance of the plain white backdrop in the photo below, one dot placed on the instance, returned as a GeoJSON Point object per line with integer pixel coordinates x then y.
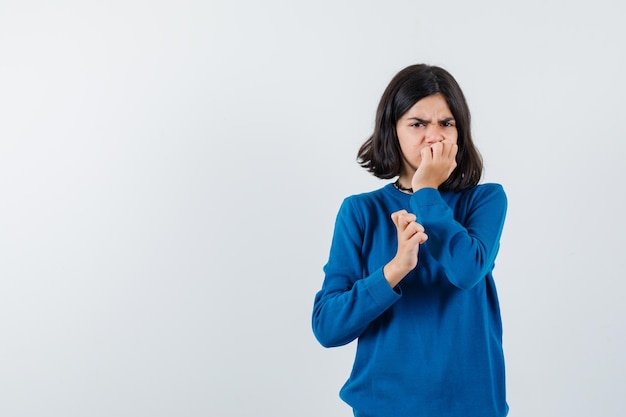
{"type": "Point", "coordinates": [170, 172]}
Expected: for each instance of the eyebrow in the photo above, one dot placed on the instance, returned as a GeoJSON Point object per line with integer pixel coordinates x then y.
{"type": "Point", "coordinates": [447, 119]}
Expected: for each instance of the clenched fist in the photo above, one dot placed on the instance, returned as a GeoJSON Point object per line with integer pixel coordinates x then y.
{"type": "Point", "coordinates": [438, 162]}
{"type": "Point", "coordinates": [410, 236]}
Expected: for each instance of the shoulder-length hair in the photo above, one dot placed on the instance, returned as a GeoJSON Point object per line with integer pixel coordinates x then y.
{"type": "Point", "coordinates": [381, 154]}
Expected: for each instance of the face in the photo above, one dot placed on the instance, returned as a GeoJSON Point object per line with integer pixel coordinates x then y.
{"type": "Point", "coordinates": [428, 121]}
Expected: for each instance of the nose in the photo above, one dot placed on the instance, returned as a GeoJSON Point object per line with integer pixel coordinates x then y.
{"type": "Point", "coordinates": [434, 134]}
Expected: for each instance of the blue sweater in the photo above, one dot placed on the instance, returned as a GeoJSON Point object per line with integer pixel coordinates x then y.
{"type": "Point", "coordinates": [431, 346]}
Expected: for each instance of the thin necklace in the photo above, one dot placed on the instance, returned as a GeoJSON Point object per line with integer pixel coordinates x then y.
{"type": "Point", "coordinates": [401, 188]}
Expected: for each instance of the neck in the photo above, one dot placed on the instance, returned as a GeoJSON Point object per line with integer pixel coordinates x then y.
{"type": "Point", "coordinates": [398, 184]}
{"type": "Point", "coordinates": [404, 182]}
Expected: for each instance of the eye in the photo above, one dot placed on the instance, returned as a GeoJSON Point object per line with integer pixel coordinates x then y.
{"type": "Point", "coordinates": [417, 124]}
{"type": "Point", "coordinates": [448, 123]}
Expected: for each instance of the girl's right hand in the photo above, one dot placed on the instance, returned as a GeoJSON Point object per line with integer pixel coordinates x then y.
{"type": "Point", "coordinates": [410, 236]}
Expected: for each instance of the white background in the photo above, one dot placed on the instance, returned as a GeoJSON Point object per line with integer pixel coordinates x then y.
{"type": "Point", "coordinates": [170, 172]}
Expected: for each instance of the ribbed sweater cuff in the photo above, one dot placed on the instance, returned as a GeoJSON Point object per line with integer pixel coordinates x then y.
{"type": "Point", "coordinates": [427, 197]}
{"type": "Point", "coordinates": [380, 290]}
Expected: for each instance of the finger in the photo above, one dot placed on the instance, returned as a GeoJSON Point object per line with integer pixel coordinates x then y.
{"type": "Point", "coordinates": [415, 227]}
{"type": "Point", "coordinates": [395, 215]}
{"type": "Point", "coordinates": [426, 153]}
{"type": "Point", "coordinates": [437, 149]}
{"type": "Point", "coordinates": [411, 230]}
{"type": "Point", "coordinates": [454, 150]}
{"type": "Point", "coordinates": [418, 238]}
{"type": "Point", "coordinates": [405, 219]}
{"type": "Point", "coordinates": [450, 149]}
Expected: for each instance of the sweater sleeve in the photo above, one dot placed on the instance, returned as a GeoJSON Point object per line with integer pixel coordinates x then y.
{"type": "Point", "coordinates": [348, 302]}
{"type": "Point", "coordinates": [466, 248]}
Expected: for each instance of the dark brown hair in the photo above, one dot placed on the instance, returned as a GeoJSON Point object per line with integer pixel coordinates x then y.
{"type": "Point", "coordinates": [381, 154]}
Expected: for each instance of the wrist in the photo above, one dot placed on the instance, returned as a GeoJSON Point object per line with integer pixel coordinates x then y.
{"type": "Point", "coordinates": [418, 186]}
{"type": "Point", "coordinates": [393, 273]}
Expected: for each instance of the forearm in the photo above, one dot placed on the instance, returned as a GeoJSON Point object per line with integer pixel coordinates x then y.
{"type": "Point", "coordinates": [465, 260]}
{"type": "Point", "coordinates": [465, 251]}
{"type": "Point", "coordinates": [340, 315]}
